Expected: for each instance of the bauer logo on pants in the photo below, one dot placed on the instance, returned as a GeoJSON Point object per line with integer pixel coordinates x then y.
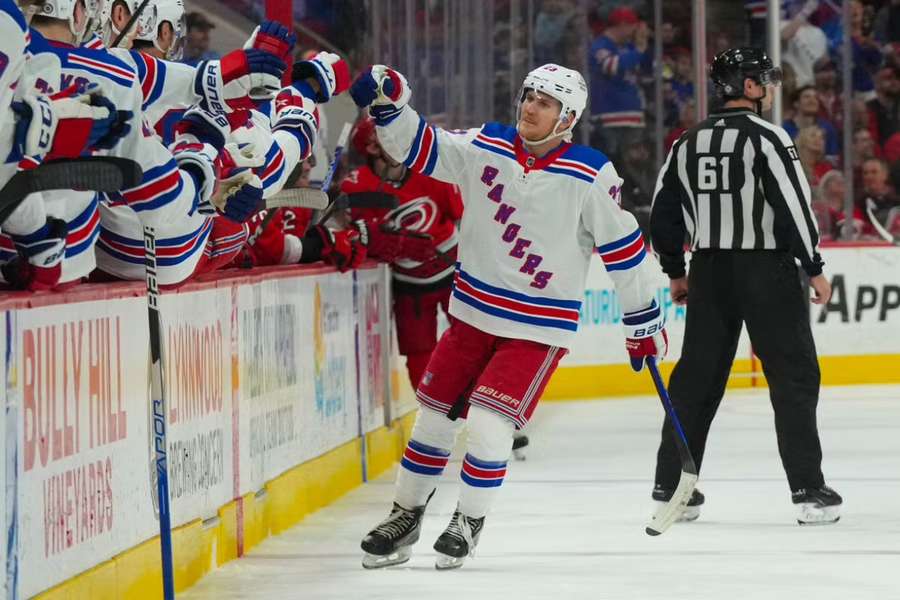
{"type": "Point", "coordinates": [498, 395]}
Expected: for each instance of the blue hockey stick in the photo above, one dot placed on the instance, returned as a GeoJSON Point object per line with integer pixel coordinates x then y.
{"type": "Point", "coordinates": [671, 510]}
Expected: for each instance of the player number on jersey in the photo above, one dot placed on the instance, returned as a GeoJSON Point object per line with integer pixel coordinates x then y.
{"type": "Point", "coordinates": [709, 167]}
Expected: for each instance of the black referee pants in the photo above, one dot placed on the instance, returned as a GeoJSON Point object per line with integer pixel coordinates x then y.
{"type": "Point", "coordinates": [762, 289]}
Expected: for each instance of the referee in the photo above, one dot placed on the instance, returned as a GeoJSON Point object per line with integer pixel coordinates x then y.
{"type": "Point", "coordinates": [734, 187]}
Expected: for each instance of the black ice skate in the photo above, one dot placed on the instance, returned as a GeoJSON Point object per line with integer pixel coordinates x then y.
{"type": "Point", "coordinates": [390, 543]}
{"type": "Point", "coordinates": [817, 506]}
{"type": "Point", "coordinates": [458, 541]}
{"type": "Point", "coordinates": [691, 512]}
{"type": "Point", "coordinates": [520, 442]}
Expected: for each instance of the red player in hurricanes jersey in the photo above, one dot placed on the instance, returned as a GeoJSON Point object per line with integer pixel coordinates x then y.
{"type": "Point", "coordinates": [418, 239]}
{"type": "Point", "coordinates": [286, 237]}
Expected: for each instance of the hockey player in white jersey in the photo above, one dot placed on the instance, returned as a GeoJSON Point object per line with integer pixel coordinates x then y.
{"type": "Point", "coordinates": [537, 208]}
{"type": "Point", "coordinates": [34, 128]}
{"type": "Point", "coordinates": [175, 184]}
{"type": "Point", "coordinates": [198, 243]}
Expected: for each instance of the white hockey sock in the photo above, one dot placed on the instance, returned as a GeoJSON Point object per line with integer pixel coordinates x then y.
{"type": "Point", "coordinates": [426, 455]}
{"type": "Point", "coordinates": [484, 467]}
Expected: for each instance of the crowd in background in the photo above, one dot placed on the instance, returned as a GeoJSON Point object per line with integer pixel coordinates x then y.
{"type": "Point", "coordinates": [613, 43]}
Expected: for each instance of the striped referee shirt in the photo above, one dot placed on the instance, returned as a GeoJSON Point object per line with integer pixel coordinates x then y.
{"type": "Point", "coordinates": [733, 182]}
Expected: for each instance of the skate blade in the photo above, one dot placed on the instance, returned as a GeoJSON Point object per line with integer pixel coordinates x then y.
{"type": "Point", "coordinates": [375, 561]}
{"type": "Point", "coordinates": [810, 515]}
{"type": "Point", "coordinates": [443, 562]}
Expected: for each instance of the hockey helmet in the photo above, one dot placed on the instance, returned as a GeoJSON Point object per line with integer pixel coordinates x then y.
{"type": "Point", "coordinates": [171, 12]}
{"type": "Point", "coordinates": [64, 10]}
{"type": "Point", "coordinates": [362, 135]}
{"type": "Point", "coordinates": [142, 29]}
{"type": "Point", "coordinates": [730, 68]}
{"type": "Point", "coordinates": [565, 85]}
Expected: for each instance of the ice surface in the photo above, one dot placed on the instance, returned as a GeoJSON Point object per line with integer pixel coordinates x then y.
{"type": "Point", "coordinates": [569, 521]}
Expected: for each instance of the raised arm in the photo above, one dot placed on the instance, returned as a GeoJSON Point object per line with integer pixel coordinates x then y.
{"type": "Point", "coordinates": [403, 134]}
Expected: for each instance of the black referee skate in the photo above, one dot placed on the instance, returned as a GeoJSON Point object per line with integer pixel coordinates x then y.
{"type": "Point", "coordinates": [520, 442]}
{"type": "Point", "coordinates": [691, 512]}
{"type": "Point", "coordinates": [817, 506]}
{"type": "Point", "coordinates": [458, 541]}
{"type": "Point", "coordinates": [390, 543]}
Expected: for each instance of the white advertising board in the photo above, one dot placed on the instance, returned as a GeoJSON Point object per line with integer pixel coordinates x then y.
{"type": "Point", "coordinates": [863, 316]}
{"type": "Point", "coordinates": [197, 334]}
{"type": "Point", "coordinates": [84, 477]}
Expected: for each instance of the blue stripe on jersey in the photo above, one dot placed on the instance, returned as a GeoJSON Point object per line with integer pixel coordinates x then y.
{"type": "Point", "coordinates": [585, 155]}
{"type": "Point", "coordinates": [162, 261]}
{"type": "Point", "coordinates": [628, 264]}
{"type": "Point", "coordinates": [513, 316]}
{"type": "Point", "coordinates": [420, 469]}
{"type": "Point", "coordinates": [651, 313]}
{"type": "Point", "coordinates": [85, 244]}
{"type": "Point", "coordinates": [426, 449]}
{"type": "Point", "coordinates": [416, 144]}
{"type": "Point", "coordinates": [98, 70]}
{"type": "Point", "coordinates": [538, 300]}
{"type": "Point", "coordinates": [620, 243]}
{"type": "Point", "coordinates": [570, 173]}
{"type": "Point", "coordinates": [500, 130]}
{"type": "Point", "coordinates": [493, 149]}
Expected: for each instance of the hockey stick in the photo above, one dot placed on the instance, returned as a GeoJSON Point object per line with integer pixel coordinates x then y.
{"type": "Point", "coordinates": [273, 202]}
{"type": "Point", "coordinates": [298, 198]}
{"type": "Point", "coordinates": [96, 173]}
{"type": "Point", "coordinates": [158, 403]}
{"type": "Point", "coordinates": [671, 510]}
{"type": "Point", "coordinates": [879, 228]}
{"type": "Point", "coordinates": [332, 169]}
{"type": "Point", "coordinates": [130, 24]}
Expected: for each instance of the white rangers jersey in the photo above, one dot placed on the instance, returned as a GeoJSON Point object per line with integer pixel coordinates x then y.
{"type": "Point", "coordinates": [14, 39]}
{"type": "Point", "coordinates": [166, 192]}
{"type": "Point", "coordinates": [529, 228]}
{"type": "Point", "coordinates": [182, 243]}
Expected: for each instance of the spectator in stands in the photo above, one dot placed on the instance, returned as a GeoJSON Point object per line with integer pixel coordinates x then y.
{"type": "Point", "coordinates": [687, 118]}
{"type": "Point", "coordinates": [884, 108]}
{"type": "Point", "coordinates": [554, 32]}
{"type": "Point", "coordinates": [805, 103]}
{"type": "Point", "coordinates": [866, 53]}
{"type": "Point", "coordinates": [803, 44]}
{"type": "Point", "coordinates": [864, 146]}
{"type": "Point", "coordinates": [682, 81]}
{"type": "Point", "coordinates": [877, 189]}
{"type": "Point", "coordinates": [196, 47]}
{"type": "Point", "coordinates": [811, 149]}
{"type": "Point", "coordinates": [617, 59]}
{"type": "Point", "coordinates": [828, 206]}
{"type": "Point", "coordinates": [831, 104]}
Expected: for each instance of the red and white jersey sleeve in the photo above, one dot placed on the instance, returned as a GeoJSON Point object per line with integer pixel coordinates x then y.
{"type": "Point", "coordinates": [166, 192]}
{"type": "Point", "coordinates": [530, 228]}
{"type": "Point", "coordinates": [427, 149]}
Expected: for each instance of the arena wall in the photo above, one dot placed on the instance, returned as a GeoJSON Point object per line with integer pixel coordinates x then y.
{"type": "Point", "coordinates": [857, 333]}
{"type": "Point", "coordinates": [284, 392]}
